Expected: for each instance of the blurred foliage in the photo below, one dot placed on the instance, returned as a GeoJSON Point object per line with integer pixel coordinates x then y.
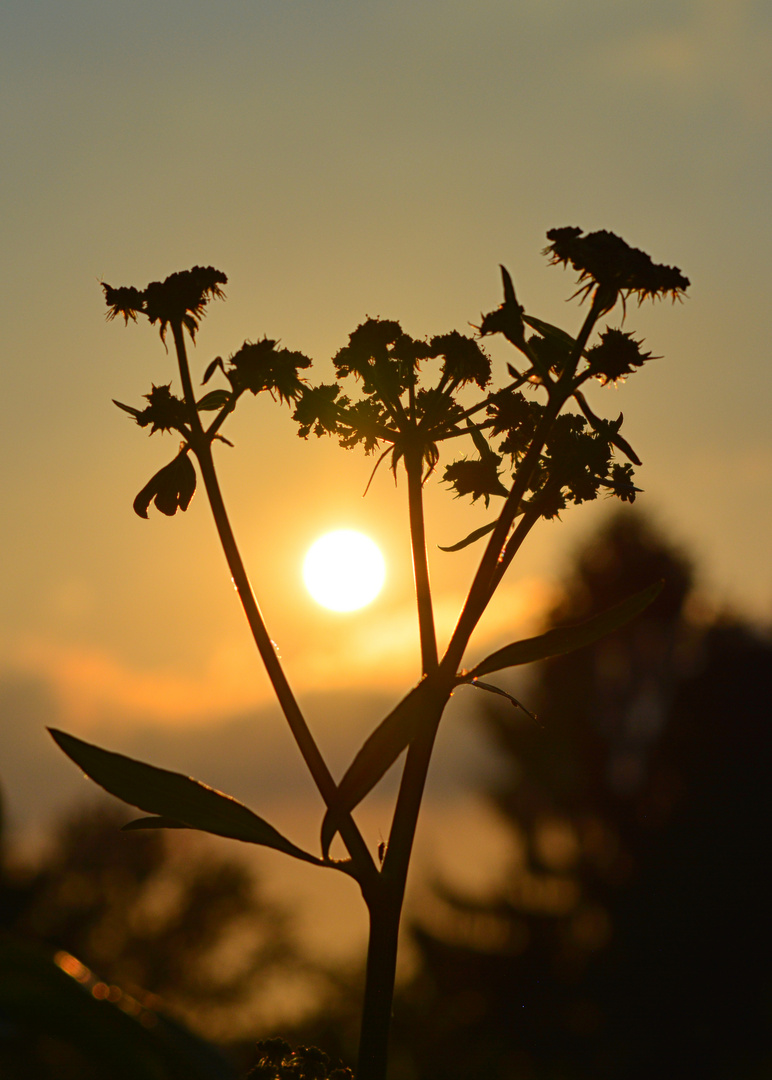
{"type": "Point", "coordinates": [154, 919]}
{"type": "Point", "coordinates": [630, 939]}
{"type": "Point", "coordinates": [59, 1022]}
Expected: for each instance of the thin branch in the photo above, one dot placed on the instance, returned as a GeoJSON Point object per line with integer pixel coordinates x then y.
{"type": "Point", "coordinates": [322, 777]}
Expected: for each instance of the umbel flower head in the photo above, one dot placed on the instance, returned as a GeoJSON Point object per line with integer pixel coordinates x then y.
{"type": "Point", "coordinates": [179, 299]}
{"type": "Point", "coordinates": [618, 354]}
{"type": "Point", "coordinates": [606, 261]}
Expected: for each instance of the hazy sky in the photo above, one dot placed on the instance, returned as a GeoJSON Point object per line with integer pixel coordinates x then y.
{"type": "Point", "coordinates": [339, 159]}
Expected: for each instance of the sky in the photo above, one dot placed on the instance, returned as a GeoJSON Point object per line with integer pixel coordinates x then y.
{"type": "Point", "coordinates": [339, 159]}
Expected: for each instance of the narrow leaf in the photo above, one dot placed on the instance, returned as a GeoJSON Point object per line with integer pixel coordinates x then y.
{"type": "Point", "coordinates": [566, 639]}
{"type": "Point", "coordinates": [127, 408]}
{"type": "Point", "coordinates": [215, 399]}
{"type": "Point", "coordinates": [476, 535]}
{"type": "Point", "coordinates": [502, 693]}
{"type": "Point", "coordinates": [480, 442]}
{"type": "Point", "coordinates": [174, 796]}
{"type": "Point", "coordinates": [418, 711]}
{"type": "Point", "coordinates": [211, 368]}
{"type": "Point", "coordinates": [153, 823]}
{"type": "Point", "coordinates": [603, 428]}
{"type": "Point", "coordinates": [547, 330]}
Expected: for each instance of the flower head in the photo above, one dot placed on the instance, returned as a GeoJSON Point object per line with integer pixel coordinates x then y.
{"type": "Point", "coordinates": [180, 298]}
{"type": "Point", "coordinates": [464, 361]}
{"type": "Point", "coordinates": [618, 354]}
{"type": "Point", "coordinates": [259, 365]}
{"type": "Point", "coordinates": [125, 300]}
{"type": "Point", "coordinates": [606, 261]}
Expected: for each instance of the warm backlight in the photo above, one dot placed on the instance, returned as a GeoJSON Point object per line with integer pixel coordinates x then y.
{"type": "Point", "coordinates": [344, 570]}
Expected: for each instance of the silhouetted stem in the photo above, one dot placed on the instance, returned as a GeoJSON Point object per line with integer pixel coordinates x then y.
{"type": "Point", "coordinates": [266, 648]}
{"type": "Point", "coordinates": [423, 592]}
{"type": "Point", "coordinates": [386, 910]}
{"type": "Point", "coordinates": [498, 553]}
{"type": "Point", "coordinates": [513, 545]}
{"type": "Point", "coordinates": [380, 974]}
{"type": "Point", "coordinates": [485, 580]}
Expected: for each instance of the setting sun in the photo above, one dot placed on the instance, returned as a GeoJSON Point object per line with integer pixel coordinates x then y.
{"type": "Point", "coordinates": [344, 570]}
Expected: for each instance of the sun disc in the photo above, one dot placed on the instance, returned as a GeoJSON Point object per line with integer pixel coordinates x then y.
{"type": "Point", "coordinates": [344, 570]}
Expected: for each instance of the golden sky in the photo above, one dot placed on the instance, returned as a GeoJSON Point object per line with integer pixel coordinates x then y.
{"type": "Point", "coordinates": [337, 159]}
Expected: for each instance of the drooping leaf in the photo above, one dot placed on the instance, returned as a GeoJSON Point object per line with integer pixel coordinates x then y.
{"type": "Point", "coordinates": [215, 399]}
{"type": "Point", "coordinates": [421, 708]}
{"type": "Point", "coordinates": [174, 796]}
{"type": "Point", "coordinates": [477, 534]}
{"type": "Point", "coordinates": [566, 639]}
{"type": "Point", "coordinates": [503, 693]}
{"type": "Point", "coordinates": [171, 489]}
{"type": "Point", "coordinates": [211, 368]}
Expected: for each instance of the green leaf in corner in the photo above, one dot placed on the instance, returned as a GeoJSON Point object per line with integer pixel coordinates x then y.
{"type": "Point", "coordinates": [566, 639]}
{"type": "Point", "coordinates": [178, 800]}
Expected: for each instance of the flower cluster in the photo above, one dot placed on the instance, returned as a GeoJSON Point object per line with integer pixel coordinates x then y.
{"type": "Point", "coordinates": [259, 365]}
{"type": "Point", "coordinates": [575, 464]}
{"type": "Point", "coordinates": [616, 355]}
{"type": "Point", "coordinates": [394, 407]}
{"type": "Point", "coordinates": [604, 260]}
{"type": "Point", "coordinates": [166, 412]}
{"type": "Point", "coordinates": [180, 299]}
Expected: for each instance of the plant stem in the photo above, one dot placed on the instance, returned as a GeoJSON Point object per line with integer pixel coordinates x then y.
{"type": "Point", "coordinates": [423, 592]}
{"type": "Point", "coordinates": [311, 754]}
{"type": "Point", "coordinates": [485, 579]}
{"type": "Point", "coordinates": [380, 974]}
{"type": "Point", "coordinates": [385, 912]}
{"type": "Point", "coordinates": [498, 552]}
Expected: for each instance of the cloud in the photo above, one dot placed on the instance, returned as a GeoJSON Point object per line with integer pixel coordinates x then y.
{"type": "Point", "coordinates": [383, 652]}
{"type": "Point", "coordinates": [89, 683]}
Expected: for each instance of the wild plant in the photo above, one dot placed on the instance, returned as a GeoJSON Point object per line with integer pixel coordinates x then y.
{"type": "Point", "coordinates": [529, 448]}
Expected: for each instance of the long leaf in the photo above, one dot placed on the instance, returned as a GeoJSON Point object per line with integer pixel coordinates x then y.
{"type": "Point", "coordinates": [566, 639]}
{"type": "Point", "coordinates": [422, 707]}
{"type": "Point", "coordinates": [547, 330]}
{"type": "Point", "coordinates": [174, 796]}
{"type": "Point", "coordinates": [502, 693]}
{"type": "Point", "coordinates": [476, 535]}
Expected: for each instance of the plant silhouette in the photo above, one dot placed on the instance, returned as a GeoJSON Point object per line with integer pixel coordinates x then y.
{"type": "Point", "coordinates": [532, 447]}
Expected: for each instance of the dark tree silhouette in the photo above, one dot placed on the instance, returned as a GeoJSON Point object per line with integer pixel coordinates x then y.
{"type": "Point", "coordinates": [631, 940]}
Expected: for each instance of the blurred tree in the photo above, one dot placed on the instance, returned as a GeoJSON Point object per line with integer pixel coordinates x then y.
{"type": "Point", "coordinates": [158, 914]}
{"type": "Point", "coordinates": [631, 938]}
